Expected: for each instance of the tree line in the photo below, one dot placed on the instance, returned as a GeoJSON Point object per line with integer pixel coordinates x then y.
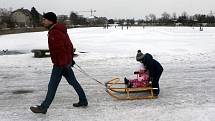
{"type": "Point", "coordinates": [74, 19]}
{"type": "Point", "coordinates": [184, 19]}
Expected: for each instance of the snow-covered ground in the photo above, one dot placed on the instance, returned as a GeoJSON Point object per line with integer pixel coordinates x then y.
{"type": "Point", "coordinates": [187, 83]}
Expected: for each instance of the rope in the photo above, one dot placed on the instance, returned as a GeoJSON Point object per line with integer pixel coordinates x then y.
{"type": "Point", "coordinates": [86, 74]}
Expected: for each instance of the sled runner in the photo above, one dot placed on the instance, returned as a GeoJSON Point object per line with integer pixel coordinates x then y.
{"type": "Point", "coordinates": [119, 90]}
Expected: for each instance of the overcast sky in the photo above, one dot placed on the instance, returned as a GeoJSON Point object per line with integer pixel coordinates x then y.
{"type": "Point", "coordinates": [115, 8]}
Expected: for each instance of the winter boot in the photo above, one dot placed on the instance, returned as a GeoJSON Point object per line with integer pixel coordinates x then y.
{"type": "Point", "coordinates": [129, 85]}
{"type": "Point", "coordinates": [38, 109]}
{"type": "Point", "coordinates": [81, 104]}
{"type": "Point", "coordinates": [156, 92]}
{"type": "Point", "coordinates": [126, 80]}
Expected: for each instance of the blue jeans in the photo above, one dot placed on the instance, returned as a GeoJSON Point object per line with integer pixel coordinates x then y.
{"type": "Point", "coordinates": [57, 73]}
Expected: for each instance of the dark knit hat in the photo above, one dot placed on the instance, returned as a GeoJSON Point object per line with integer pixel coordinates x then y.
{"type": "Point", "coordinates": [50, 16]}
{"type": "Point", "coordinates": [139, 55]}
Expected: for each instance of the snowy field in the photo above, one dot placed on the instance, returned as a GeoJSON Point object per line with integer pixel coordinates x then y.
{"type": "Point", "coordinates": [187, 83]}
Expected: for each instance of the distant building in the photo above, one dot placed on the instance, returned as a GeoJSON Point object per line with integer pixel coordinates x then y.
{"type": "Point", "coordinates": [22, 17]}
{"type": "Point", "coordinates": [64, 19]}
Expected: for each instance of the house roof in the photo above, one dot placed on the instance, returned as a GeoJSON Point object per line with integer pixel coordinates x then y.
{"type": "Point", "coordinates": [24, 11]}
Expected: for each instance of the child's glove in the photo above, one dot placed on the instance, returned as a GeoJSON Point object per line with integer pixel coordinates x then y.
{"type": "Point", "coordinates": [151, 79]}
{"type": "Point", "coordinates": [136, 72]}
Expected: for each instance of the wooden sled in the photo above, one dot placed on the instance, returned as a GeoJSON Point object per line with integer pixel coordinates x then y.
{"type": "Point", "coordinates": [118, 90]}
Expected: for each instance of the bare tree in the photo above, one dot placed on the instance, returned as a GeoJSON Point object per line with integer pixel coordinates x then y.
{"type": "Point", "coordinates": [74, 18]}
{"type": "Point", "coordinates": [5, 18]}
{"type": "Point", "coordinates": [4, 12]}
{"type": "Point", "coordinates": [152, 17]}
{"type": "Point", "coordinates": [35, 16]}
{"type": "Point", "coordinates": [174, 16]}
{"type": "Point", "coordinates": [147, 19]}
{"type": "Point", "coordinates": [183, 18]}
{"type": "Point", "coordinates": [165, 16]}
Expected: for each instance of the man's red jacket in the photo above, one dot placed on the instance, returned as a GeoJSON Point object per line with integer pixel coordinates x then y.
{"type": "Point", "coordinates": [60, 46]}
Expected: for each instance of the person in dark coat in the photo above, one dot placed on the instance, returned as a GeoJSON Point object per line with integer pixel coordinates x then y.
{"type": "Point", "coordinates": [154, 67]}
{"type": "Point", "coordinates": [61, 51]}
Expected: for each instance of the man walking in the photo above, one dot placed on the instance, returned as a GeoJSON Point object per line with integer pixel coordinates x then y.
{"type": "Point", "coordinates": [61, 51]}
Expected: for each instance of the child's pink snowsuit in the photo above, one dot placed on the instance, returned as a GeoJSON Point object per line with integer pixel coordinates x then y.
{"type": "Point", "coordinates": [142, 79]}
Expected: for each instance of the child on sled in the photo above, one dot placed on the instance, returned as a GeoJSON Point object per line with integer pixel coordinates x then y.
{"type": "Point", "coordinates": [142, 79]}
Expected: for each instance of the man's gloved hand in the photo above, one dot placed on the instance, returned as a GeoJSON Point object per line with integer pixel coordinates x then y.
{"type": "Point", "coordinates": [72, 63]}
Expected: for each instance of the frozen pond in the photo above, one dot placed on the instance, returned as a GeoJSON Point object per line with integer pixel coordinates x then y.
{"type": "Point", "coordinates": [187, 83]}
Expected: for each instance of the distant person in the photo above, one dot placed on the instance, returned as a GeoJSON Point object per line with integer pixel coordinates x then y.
{"type": "Point", "coordinates": [200, 27]}
{"type": "Point", "coordinates": [142, 79]}
{"type": "Point", "coordinates": [154, 67]}
{"type": "Point", "coordinates": [60, 48]}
